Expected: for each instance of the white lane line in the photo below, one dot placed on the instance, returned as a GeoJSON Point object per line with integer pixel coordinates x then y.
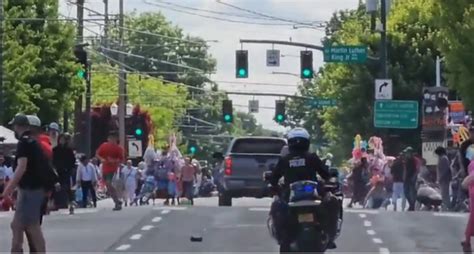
{"type": "Point", "coordinates": [377, 240]}
{"type": "Point", "coordinates": [176, 208]}
{"type": "Point", "coordinates": [147, 227]}
{"type": "Point", "coordinates": [362, 215]}
{"type": "Point", "coordinates": [81, 211]}
{"type": "Point", "coordinates": [454, 215]}
{"type": "Point", "coordinates": [367, 223]}
{"type": "Point", "coordinates": [384, 251]}
{"type": "Point", "coordinates": [123, 247]}
{"type": "Point", "coordinates": [156, 219]}
{"type": "Point", "coordinates": [136, 237]}
{"type": "Point", "coordinates": [352, 210]}
{"type": "Point", "coordinates": [259, 209]}
{"type": "Point", "coordinates": [370, 232]}
{"type": "Point", "coordinates": [165, 211]}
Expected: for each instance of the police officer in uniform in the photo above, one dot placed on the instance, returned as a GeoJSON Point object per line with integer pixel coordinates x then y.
{"type": "Point", "coordinates": [299, 165]}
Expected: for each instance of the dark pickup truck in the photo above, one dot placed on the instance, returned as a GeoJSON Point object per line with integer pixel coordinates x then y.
{"type": "Point", "coordinates": [241, 172]}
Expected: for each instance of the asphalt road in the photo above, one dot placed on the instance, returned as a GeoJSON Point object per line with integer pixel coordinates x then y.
{"type": "Point", "coordinates": [237, 229]}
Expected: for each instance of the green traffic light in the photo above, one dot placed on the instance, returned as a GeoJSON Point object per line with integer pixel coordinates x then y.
{"type": "Point", "coordinates": [193, 149]}
{"type": "Point", "coordinates": [280, 118]}
{"type": "Point", "coordinates": [81, 74]}
{"type": "Point", "coordinates": [227, 118]}
{"type": "Point", "coordinates": [139, 132]}
{"type": "Point", "coordinates": [307, 73]}
{"type": "Point", "coordinates": [242, 72]}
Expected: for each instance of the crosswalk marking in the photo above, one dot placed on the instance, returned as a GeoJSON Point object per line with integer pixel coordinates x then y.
{"type": "Point", "coordinates": [259, 209]}
{"type": "Point", "coordinates": [177, 208]}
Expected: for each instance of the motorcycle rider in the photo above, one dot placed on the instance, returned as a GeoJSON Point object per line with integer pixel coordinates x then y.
{"type": "Point", "coordinates": [299, 165]}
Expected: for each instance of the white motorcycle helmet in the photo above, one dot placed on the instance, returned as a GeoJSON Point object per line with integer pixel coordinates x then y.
{"type": "Point", "coordinates": [298, 140]}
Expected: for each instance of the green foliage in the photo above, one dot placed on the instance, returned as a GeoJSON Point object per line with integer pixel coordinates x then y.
{"type": "Point", "coordinates": [39, 63]}
{"type": "Point", "coordinates": [164, 102]}
{"type": "Point", "coordinates": [456, 21]}
{"type": "Point", "coordinates": [411, 52]}
{"type": "Point", "coordinates": [186, 50]}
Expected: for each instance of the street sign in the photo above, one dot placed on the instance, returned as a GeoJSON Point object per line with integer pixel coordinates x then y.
{"type": "Point", "coordinates": [253, 106]}
{"type": "Point", "coordinates": [315, 103]}
{"type": "Point", "coordinates": [428, 149]}
{"type": "Point", "coordinates": [273, 58]}
{"type": "Point", "coordinates": [396, 114]}
{"type": "Point", "coordinates": [135, 148]}
{"type": "Point", "coordinates": [345, 54]}
{"type": "Point", "coordinates": [383, 89]}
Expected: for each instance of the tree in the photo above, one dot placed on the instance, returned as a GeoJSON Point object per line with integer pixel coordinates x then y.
{"type": "Point", "coordinates": [411, 52]}
{"type": "Point", "coordinates": [456, 40]}
{"type": "Point", "coordinates": [157, 39]}
{"type": "Point", "coordinates": [39, 62]}
{"type": "Point", "coordinates": [164, 102]}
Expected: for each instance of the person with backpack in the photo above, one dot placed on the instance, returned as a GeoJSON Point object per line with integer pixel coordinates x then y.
{"type": "Point", "coordinates": [64, 161]}
{"type": "Point", "coordinates": [33, 174]}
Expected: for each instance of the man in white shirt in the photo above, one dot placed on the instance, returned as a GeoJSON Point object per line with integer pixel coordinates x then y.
{"type": "Point", "coordinates": [87, 179]}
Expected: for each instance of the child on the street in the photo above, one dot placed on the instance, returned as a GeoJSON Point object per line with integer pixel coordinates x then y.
{"type": "Point", "coordinates": [172, 188]}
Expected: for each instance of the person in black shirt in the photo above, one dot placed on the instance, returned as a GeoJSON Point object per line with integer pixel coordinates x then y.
{"type": "Point", "coordinates": [64, 161]}
{"type": "Point", "coordinates": [30, 189]}
{"type": "Point", "coordinates": [300, 165]}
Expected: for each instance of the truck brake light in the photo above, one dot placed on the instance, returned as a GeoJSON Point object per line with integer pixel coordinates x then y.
{"type": "Point", "coordinates": [228, 166]}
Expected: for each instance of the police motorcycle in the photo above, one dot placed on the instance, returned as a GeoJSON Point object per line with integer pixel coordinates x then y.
{"type": "Point", "coordinates": [306, 228]}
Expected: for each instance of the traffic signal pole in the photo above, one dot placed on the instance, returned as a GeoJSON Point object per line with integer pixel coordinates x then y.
{"type": "Point", "coordinates": [2, 106]}
{"type": "Point", "coordinates": [88, 111]}
{"type": "Point", "coordinates": [122, 83]}
{"type": "Point", "coordinates": [383, 41]}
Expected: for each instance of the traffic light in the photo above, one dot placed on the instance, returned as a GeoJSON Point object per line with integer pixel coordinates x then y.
{"type": "Point", "coordinates": [138, 127]}
{"type": "Point", "coordinates": [307, 64]}
{"type": "Point", "coordinates": [81, 58]}
{"type": "Point", "coordinates": [227, 111]}
{"type": "Point", "coordinates": [280, 114]}
{"type": "Point", "coordinates": [193, 146]}
{"type": "Point", "coordinates": [242, 64]}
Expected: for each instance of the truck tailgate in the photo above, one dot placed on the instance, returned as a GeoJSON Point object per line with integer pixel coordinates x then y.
{"type": "Point", "coordinates": [252, 166]}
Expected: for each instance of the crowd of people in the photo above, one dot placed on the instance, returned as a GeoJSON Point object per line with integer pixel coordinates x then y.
{"type": "Point", "coordinates": [377, 180]}
{"type": "Point", "coordinates": [47, 174]}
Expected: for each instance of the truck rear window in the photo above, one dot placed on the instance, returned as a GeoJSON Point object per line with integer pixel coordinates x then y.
{"type": "Point", "coordinates": [266, 146]}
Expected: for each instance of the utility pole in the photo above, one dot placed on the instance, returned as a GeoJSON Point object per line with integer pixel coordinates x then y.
{"type": "Point", "coordinates": [106, 23]}
{"type": "Point", "coordinates": [78, 102]}
{"type": "Point", "coordinates": [438, 71]}
{"type": "Point", "coordinates": [383, 41]}
{"type": "Point", "coordinates": [2, 97]}
{"type": "Point", "coordinates": [88, 110]}
{"type": "Point", "coordinates": [122, 82]}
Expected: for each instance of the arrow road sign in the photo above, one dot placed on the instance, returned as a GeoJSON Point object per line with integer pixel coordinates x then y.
{"type": "Point", "coordinates": [135, 148]}
{"type": "Point", "coordinates": [273, 58]}
{"type": "Point", "coordinates": [383, 89]}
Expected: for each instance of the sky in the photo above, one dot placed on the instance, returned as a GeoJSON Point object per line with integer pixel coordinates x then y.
{"type": "Point", "coordinates": [229, 34]}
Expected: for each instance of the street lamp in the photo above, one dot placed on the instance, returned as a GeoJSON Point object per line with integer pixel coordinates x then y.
{"type": "Point", "coordinates": [114, 109]}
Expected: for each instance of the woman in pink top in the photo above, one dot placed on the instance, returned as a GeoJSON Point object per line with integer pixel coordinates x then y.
{"type": "Point", "coordinates": [468, 184]}
{"type": "Point", "coordinates": [188, 176]}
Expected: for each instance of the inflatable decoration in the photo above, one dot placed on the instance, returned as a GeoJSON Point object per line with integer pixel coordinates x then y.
{"type": "Point", "coordinates": [357, 152]}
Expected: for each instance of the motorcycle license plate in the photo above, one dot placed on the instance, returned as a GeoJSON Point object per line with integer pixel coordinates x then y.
{"type": "Point", "coordinates": [305, 217]}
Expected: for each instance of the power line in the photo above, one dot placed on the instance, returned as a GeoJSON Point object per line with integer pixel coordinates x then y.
{"type": "Point", "coordinates": [213, 12]}
{"type": "Point", "coordinates": [139, 31]}
{"type": "Point", "coordinates": [215, 18]}
{"type": "Point", "coordinates": [154, 60]}
{"type": "Point", "coordinates": [264, 15]}
{"type": "Point", "coordinates": [157, 78]}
